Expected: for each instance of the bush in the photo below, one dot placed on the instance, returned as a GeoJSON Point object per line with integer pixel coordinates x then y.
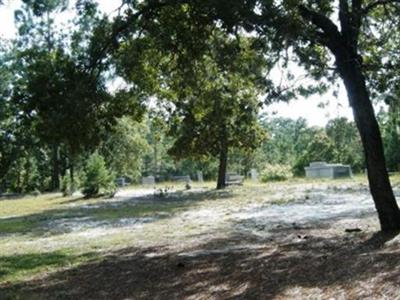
{"type": "Point", "coordinates": [97, 179]}
{"type": "Point", "coordinates": [67, 188]}
{"type": "Point", "coordinates": [276, 173]}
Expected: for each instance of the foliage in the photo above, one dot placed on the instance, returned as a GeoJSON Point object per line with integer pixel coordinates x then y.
{"type": "Point", "coordinates": [220, 110]}
{"type": "Point", "coordinates": [55, 105]}
{"type": "Point", "coordinates": [294, 143]}
{"type": "Point", "coordinates": [208, 82]}
{"type": "Point", "coordinates": [97, 178]}
{"type": "Point", "coordinates": [125, 147]}
{"type": "Point", "coordinates": [320, 149]}
{"type": "Point", "coordinates": [74, 108]}
{"type": "Point", "coordinates": [157, 162]}
{"type": "Point", "coordinates": [346, 142]}
{"type": "Point", "coordinates": [287, 139]}
{"type": "Point", "coordinates": [390, 124]}
{"type": "Point", "coordinates": [276, 172]}
{"type": "Point", "coordinates": [68, 186]}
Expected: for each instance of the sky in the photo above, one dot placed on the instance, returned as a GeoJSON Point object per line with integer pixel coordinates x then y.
{"type": "Point", "coordinates": [306, 108]}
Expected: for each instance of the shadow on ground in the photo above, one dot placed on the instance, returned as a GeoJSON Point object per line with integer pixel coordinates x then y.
{"type": "Point", "coordinates": [238, 267]}
{"type": "Point", "coordinates": [151, 207]}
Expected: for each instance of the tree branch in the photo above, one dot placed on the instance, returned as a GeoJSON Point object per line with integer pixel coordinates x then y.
{"type": "Point", "coordinates": [356, 13]}
{"type": "Point", "coordinates": [344, 19]}
{"type": "Point", "coordinates": [321, 21]}
{"type": "Point", "coordinates": [329, 31]}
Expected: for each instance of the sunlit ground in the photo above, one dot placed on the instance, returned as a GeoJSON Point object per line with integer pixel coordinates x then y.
{"type": "Point", "coordinates": [283, 240]}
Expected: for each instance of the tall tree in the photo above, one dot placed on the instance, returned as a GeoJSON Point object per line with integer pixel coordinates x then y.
{"type": "Point", "coordinates": [36, 29]}
{"type": "Point", "coordinates": [220, 111]}
{"type": "Point", "coordinates": [62, 95]}
{"type": "Point", "coordinates": [347, 45]}
{"type": "Point", "coordinates": [211, 95]}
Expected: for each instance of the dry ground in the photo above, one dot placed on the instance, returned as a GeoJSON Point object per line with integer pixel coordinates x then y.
{"type": "Point", "coordinates": [277, 241]}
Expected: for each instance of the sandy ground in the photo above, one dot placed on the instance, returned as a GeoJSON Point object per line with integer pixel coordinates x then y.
{"type": "Point", "coordinates": [304, 241]}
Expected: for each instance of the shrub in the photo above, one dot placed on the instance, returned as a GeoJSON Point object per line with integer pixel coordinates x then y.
{"type": "Point", "coordinates": [97, 179]}
{"type": "Point", "coordinates": [35, 193]}
{"type": "Point", "coordinates": [67, 188]}
{"type": "Point", "coordinates": [276, 173]}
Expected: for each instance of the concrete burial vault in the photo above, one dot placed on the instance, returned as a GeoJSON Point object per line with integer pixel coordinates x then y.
{"type": "Point", "coordinates": [321, 169]}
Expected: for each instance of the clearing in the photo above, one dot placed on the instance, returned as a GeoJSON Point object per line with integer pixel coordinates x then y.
{"type": "Point", "coordinates": [260, 241]}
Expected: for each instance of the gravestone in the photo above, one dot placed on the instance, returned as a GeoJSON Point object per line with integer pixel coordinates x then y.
{"type": "Point", "coordinates": [120, 181]}
{"type": "Point", "coordinates": [321, 169]}
{"type": "Point", "coordinates": [149, 180]}
{"type": "Point", "coordinates": [253, 175]}
{"type": "Point", "coordinates": [200, 176]}
{"type": "Point", "coordinates": [233, 179]}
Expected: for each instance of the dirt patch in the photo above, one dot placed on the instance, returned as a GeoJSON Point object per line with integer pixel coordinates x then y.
{"type": "Point", "coordinates": [258, 245]}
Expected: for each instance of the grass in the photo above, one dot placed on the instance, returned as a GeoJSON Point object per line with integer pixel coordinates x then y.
{"type": "Point", "coordinates": [22, 267]}
{"type": "Point", "coordinates": [32, 215]}
{"type": "Point", "coordinates": [26, 226]}
{"type": "Point", "coordinates": [31, 205]}
{"type": "Point", "coordinates": [36, 242]}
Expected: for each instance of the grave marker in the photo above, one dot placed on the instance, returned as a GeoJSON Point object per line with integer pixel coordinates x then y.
{"type": "Point", "coordinates": [149, 180]}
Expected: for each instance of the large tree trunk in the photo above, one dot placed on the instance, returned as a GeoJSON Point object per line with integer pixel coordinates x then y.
{"type": "Point", "coordinates": [381, 190]}
{"type": "Point", "coordinates": [344, 46]}
{"type": "Point", "coordinates": [223, 161]}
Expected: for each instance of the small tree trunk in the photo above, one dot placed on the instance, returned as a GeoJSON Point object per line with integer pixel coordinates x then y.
{"type": "Point", "coordinates": [381, 190]}
{"type": "Point", "coordinates": [155, 158]}
{"type": "Point", "coordinates": [55, 176]}
{"type": "Point", "coordinates": [19, 188]}
{"type": "Point", "coordinates": [223, 161]}
{"type": "Point", "coordinates": [72, 177]}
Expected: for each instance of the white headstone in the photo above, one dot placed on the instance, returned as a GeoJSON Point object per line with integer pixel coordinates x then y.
{"type": "Point", "coordinates": [200, 176]}
{"type": "Point", "coordinates": [120, 181]}
{"type": "Point", "coordinates": [254, 174]}
{"type": "Point", "coordinates": [149, 180]}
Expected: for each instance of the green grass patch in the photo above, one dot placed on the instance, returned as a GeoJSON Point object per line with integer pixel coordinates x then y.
{"type": "Point", "coordinates": [17, 225]}
{"type": "Point", "coordinates": [21, 267]}
{"type": "Point", "coordinates": [22, 206]}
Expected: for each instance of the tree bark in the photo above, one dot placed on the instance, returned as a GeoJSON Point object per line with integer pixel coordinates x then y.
{"type": "Point", "coordinates": [364, 116]}
{"type": "Point", "coordinates": [223, 162]}
{"type": "Point", "coordinates": [344, 46]}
